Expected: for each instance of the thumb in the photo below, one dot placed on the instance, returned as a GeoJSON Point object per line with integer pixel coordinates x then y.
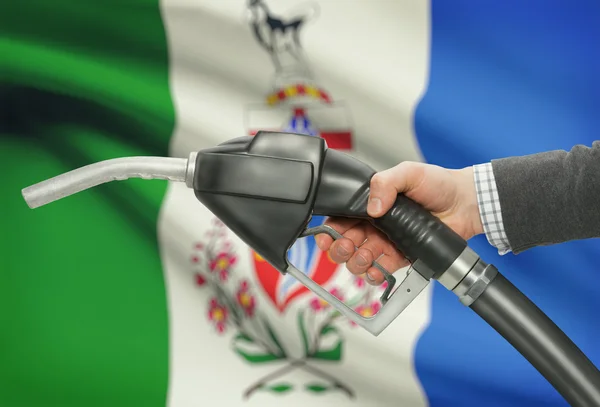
{"type": "Point", "coordinates": [386, 185]}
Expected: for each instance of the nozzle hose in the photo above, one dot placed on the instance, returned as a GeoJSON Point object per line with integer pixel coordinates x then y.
{"type": "Point", "coordinates": [118, 169]}
{"type": "Point", "coordinates": [540, 341]}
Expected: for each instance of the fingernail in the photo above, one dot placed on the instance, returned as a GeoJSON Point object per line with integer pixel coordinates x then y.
{"type": "Point", "coordinates": [371, 280]}
{"type": "Point", "coordinates": [341, 251]}
{"type": "Point", "coordinates": [361, 261]}
{"type": "Point", "coordinates": [374, 205]}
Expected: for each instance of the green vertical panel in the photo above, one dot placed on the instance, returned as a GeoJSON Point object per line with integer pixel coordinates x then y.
{"type": "Point", "coordinates": [83, 311]}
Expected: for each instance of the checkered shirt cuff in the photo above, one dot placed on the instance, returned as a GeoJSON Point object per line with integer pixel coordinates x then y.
{"type": "Point", "coordinates": [489, 207]}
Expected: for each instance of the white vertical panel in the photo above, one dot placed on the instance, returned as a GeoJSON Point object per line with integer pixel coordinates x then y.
{"type": "Point", "coordinates": [371, 57]}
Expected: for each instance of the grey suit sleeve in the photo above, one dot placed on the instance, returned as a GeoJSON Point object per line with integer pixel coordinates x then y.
{"type": "Point", "coordinates": [550, 197]}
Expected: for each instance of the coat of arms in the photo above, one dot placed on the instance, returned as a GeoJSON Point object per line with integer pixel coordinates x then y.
{"type": "Point", "coordinates": [296, 103]}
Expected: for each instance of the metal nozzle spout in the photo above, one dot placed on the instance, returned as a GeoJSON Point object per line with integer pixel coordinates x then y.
{"type": "Point", "coordinates": [118, 169]}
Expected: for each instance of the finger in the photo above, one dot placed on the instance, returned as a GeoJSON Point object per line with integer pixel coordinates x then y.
{"type": "Point", "coordinates": [341, 225]}
{"type": "Point", "coordinates": [375, 245]}
{"type": "Point", "coordinates": [391, 263]}
{"type": "Point", "coordinates": [360, 261]}
{"type": "Point", "coordinates": [343, 249]}
{"type": "Point", "coordinates": [386, 185]}
{"type": "Point", "coordinates": [386, 254]}
{"type": "Point", "coordinates": [372, 248]}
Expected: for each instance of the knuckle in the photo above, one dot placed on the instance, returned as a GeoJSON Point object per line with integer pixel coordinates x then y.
{"type": "Point", "coordinates": [347, 245]}
{"type": "Point", "coordinates": [365, 253]}
{"type": "Point", "coordinates": [353, 269]}
{"type": "Point", "coordinates": [378, 181]}
{"type": "Point", "coordinates": [403, 166]}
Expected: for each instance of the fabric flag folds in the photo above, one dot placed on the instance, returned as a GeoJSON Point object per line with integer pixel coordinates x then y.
{"type": "Point", "coordinates": [133, 294]}
{"type": "Point", "coordinates": [83, 306]}
{"type": "Point", "coordinates": [510, 79]}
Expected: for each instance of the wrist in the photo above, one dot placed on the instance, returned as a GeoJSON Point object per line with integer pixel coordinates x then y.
{"type": "Point", "coordinates": [489, 208]}
{"type": "Point", "coordinates": [470, 202]}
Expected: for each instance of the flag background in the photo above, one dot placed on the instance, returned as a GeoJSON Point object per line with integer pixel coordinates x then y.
{"type": "Point", "coordinates": [85, 312]}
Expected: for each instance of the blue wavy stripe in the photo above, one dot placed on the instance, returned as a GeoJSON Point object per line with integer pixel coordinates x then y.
{"type": "Point", "coordinates": [510, 78]}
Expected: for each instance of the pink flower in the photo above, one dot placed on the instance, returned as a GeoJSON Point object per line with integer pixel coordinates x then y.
{"type": "Point", "coordinates": [195, 259]}
{"type": "Point", "coordinates": [245, 299]}
{"type": "Point", "coordinates": [319, 304]}
{"type": "Point", "coordinates": [222, 262]}
{"type": "Point", "coordinates": [218, 314]}
{"type": "Point", "coordinates": [360, 280]}
{"type": "Point", "coordinates": [367, 310]}
{"type": "Point", "coordinates": [199, 246]}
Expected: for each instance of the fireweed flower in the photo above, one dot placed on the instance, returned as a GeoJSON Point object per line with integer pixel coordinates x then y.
{"type": "Point", "coordinates": [222, 263]}
{"type": "Point", "coordinates": [218, 315]}
{"type": "Point", "coordinates": [367, 310]}
{"type": "Point", "coordinates": [245, 299]}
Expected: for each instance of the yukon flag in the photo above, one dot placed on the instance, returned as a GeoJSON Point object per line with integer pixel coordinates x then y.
{"type": "Point", "coordinates": [134, 294]}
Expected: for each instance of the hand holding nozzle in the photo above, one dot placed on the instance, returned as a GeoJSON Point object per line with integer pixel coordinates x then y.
{"type": "Point", "coordinates": [448, 194]}
{"type": "Point", "coordinates": [117, 169]}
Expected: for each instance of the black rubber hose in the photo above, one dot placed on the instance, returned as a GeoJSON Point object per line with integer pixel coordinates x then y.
{"type": "Point", "coordinates": [540, 341]}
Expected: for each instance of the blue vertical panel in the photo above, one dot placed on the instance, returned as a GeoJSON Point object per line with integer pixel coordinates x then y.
{"type": "Point", "coordinates": [510, 78]}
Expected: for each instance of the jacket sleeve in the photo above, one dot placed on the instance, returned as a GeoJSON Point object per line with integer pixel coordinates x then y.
{"type": "Point", "coordinates": [550, 197]}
